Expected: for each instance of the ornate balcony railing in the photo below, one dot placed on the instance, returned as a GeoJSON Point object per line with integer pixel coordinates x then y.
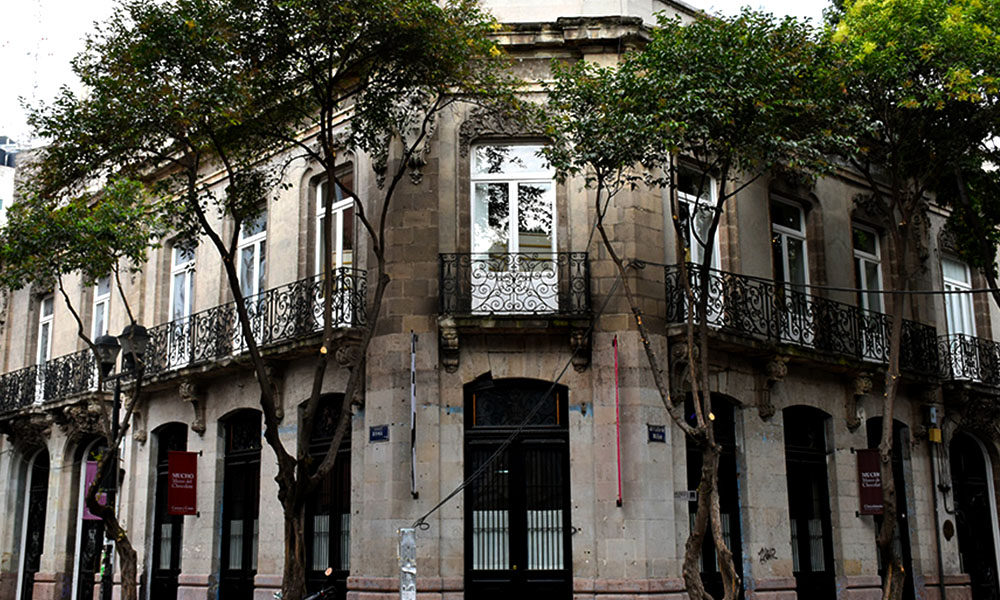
{"type": "Point", "coordinates": [277, 316]}
{"type": "Point", "coordinates": [524, 283]}
{"type": "Point", "coordinates": [969, 358]}
{"type": "Point", "coordinates": [764, 309]}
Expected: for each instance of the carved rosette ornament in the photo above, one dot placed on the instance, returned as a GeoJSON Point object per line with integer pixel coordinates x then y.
{"type": "Point", "coordinates": [189, 392]}
{"type": "Point", "coordinates": [775, 370]}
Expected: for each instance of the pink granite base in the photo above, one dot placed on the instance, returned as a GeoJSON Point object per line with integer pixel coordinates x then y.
{"type": "Point", "coordinates": [452, 588]}
{"type": "Point", "coordinates": [194, 587]}
{"type": "Point", "coordinates": [956, 587]}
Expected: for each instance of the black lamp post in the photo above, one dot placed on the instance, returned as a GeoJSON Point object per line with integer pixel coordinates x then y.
{"type": "Point", "coordinates": [133, 341]}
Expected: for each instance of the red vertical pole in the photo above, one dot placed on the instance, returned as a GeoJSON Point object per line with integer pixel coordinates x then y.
{"type": "Point", "coordinates": [618, 426]}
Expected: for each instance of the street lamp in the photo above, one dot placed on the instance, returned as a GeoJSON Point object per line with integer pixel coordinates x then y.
{"type": "Point", "coordinates": [133, 341]}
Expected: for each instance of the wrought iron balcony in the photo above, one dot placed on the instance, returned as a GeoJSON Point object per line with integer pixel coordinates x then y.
{"type": "Point", "coordinates": [766, 310]}
{"type": "Point", "coordinates": [277, 316]}
{"type": "Point", "coordinates": [515, 284]}
{"type": "Point", "coordinates": [969, 358]}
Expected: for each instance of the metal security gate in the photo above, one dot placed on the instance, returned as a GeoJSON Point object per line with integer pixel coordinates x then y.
{"type": "Point", "coordinates": [517, 512]}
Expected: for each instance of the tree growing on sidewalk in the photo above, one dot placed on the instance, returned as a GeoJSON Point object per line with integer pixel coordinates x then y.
{"type": "Point", "coordinates": [734, 98]}
{"type": "Point", "coordinates": [923, 78]}
{"type": "Point", "coordinates": [177, 89]}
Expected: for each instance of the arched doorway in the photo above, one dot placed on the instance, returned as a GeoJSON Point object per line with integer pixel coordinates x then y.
{"type": "Point", "coordinates": [517, 508]}
{"type": "Point", "coordinates": [901, 536]}
{"type": "Point", "coordinates": [36, 500]}
{"type": "Point", "coordinates": [975, 508]}
{"type": "Point", "coordinates": [167, 529]}
{"type": "Point", "coordinates": [89, 538]}
{"type": "Point", "coordinates": [328, 510]}
{"type": "Point", "coordinates": [729, 498]}
{"type": "Point", "coordinates": [809, 502]}
{"type": "Point", "coordinates": [240, 505]}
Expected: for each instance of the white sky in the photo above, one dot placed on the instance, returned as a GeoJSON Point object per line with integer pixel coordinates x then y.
{"type": "Point", "coordinates": [39, 37]}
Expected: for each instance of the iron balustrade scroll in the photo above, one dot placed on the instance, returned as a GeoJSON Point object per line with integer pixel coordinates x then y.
{"type": "Point", "coordinates": [278, 315]}
{"type": "Point", "coordinates": [969, 358]}
{"type": "Point", "coordinates": [522, 283]}
{"type": "Point", "coordinates": [769, 310]}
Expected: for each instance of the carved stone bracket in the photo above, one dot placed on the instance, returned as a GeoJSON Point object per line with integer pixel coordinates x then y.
{"type": "Point", "coordinates": [448, 344]}
{"type": "Point", "coordinates": [680, 371]}
{"type": "Point", "coordinates": [775, 370]}
{"type": "Point", "coordinates": [139, 427]}
{"type": "Point", "coordinates": [862, 386]}
{"type": "Point", "coordinates": [346, 352]}
{"type": "Point", "coordinates": [490, 123]}
{"type": "Point", "coordinates": [29, 431]}
{"type": "Point", "coordinates": [189, 392]}
{"type": "Point", "coordinates": [86, 417]}
{"type": "Point", "coordinates": [579, 341]}
{"type": "Point", "coordinates": [277, 377]}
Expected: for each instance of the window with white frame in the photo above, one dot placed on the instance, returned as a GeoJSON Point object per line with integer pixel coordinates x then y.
{"type": "Point", "coordinates": [958, 306]}
{"type": "Point", "coordinates": [181, 281]}
{"type": "Point", "coordinates": [867, 268]}
{"type": "Point", "coordinates": [696, 194]}
{"type": "Point", "coordinates": [252, 255]}
{"type": "Point", "coordinates": [342, 211]}
{"type": "Point", "coordinates": [102, 302]}
{"type": "Point", "coordinates": [788, 243]}
{"type": "Point", "coordinates": [46, 310]}
{"type": "Point", "coordinates": [513, 200]}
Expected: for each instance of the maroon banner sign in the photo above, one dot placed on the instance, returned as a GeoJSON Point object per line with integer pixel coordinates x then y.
{"type": "Point", "coordinates": [870, 482]}
{"type": "Point", "coordinates": [182, 482]}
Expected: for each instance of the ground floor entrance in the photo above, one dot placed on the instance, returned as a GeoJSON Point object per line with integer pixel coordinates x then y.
{"type": "Point", "coordinates": [517, 507]}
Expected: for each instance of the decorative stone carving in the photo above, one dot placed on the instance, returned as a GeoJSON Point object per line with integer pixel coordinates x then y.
{"type": "Point", "coordinates": [276, 376]}
{"type": "Point", "coordinates": [29, 430]}
{"type": "Point", "coordinates": [680, 372]}
{"type": "Point", "coordinates": [775, 370]}
{"type": "Point", "coordinates": [189, 392]}
{"type": "Point", "coordinates": [448, 343]}
{"type": "Point", "coordinates": [347, 352]}
{"type": "Point", "coordinates": [490, 123]}
{"type": "Point", "coordinates": [139, 432]}
{"type": "Point", "coordinates": [861, 387]}
{"type": "Point", "coordinates": [86, 417]}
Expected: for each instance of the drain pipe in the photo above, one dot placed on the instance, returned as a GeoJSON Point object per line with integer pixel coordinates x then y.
{"type": "Point", "coordinates": [934, 440]}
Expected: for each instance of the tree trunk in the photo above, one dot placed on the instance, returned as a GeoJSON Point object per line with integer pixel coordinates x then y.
{"type": "Point", "coordinates": [294, 575]}
{"type": "Point", "coordinates": [693, 547]}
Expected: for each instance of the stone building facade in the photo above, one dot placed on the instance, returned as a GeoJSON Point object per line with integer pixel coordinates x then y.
{"type": "Point", "coordinates": [591, 500]}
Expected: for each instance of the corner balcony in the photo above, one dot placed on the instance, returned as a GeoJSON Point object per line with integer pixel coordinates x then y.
{"type": "Point", "coordinates": [966, 358]}
{"type": "Point", "coordinates": [283, 319]}
{"type": "Point", "coordinates": [761, 313]}
{"type": "Point", "coordinates": [523, 292]}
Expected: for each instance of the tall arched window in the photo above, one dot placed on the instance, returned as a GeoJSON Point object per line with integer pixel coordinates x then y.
{"type": "Point", "coordinates": [36, 494]}
{"type": "Point", "coordinates": [240, 504]}
{"type": "Point", "coordinates": [167, 529]}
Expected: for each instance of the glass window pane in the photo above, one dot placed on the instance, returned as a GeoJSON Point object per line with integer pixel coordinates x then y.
{"type": "Point", "coordinates": [778, 255]}
{"type": "Point", "coordinates": [235, 544]}
{"type": "Point", "coordinates": [100, 318]}
{"type": "Point", "coordinates": [179, 302]}
{"type": "Point", "coordinates": [864, 240]}
{"type": "Point", "coordinates": [183, 255]}
{"type": "Point", "coordinates": [872, 282]}
{"type": "Point", "coordinates": [786, 215]}
{"type": "Point", "coordinates": [166, 531]}
{"type": "Point", "coordinates": [261, 266]}
{"type": "Point", "coordinates": [104, 286]}
{"type": "Point", "coordinates": [955, 270]}
{"type": "Point", "coordinates": [508, 159]}
{"type": "Point", "coordinates": [534, 217]}
{"type": "Point", "coordinates": [796, 261]}
{"type": "Point", "coordinates": [491, 219]}
{"type": "Point", "coordinates": [43, 342]}
{"type": "Point", "coordinates": [247, 271]}
{"type": "Point", "coordinates": [47, 305]}
{"type": "Point", "coordinates": [252, 227]}
{"type": "Point", "coordinates": [690, 183]}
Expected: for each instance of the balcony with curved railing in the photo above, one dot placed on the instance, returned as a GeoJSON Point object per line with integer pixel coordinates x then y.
{"type": "Point", "coordinates": [770, 311]}
{"type": "Point", "coordinates": [969, 358]}
{"type": "Point", "coordinates": [277, 316]}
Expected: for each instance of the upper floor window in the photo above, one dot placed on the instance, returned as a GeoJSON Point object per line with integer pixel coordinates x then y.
{"type": "Point", "coordinates": [102, 302]}
{"type": "Point", "coordinates": [958, 306]}
{"type": "Point", "coordinates": [46, 310]}
{"type": "Point", "coordinates": [342, 211]}
{"type": "Point", "coordinates": [696, 194]}
{"type": "Point", "coordinates": [867, 268]}
{"type": "Point", "coordinates": [788, 243]}
{"type": "Point", "coordinates": [513, 200]}
{"type": "Point", "coordinates": [181, 281]}
{"type": "Point", "coordinates": [252, 255]}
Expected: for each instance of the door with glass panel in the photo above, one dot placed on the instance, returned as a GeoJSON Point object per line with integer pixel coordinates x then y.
{"type": "Point", "coordinates": [793, 321]}
{"type": "Point", "coordinates": [167, 528]}
{"type": "Point", "coordinates": [809, 502]}
{"type": "Point", "coordinates": [967, 358]}
{"type": "Point", "coordinates": [514, 267]}
{"type": "Point", "coordinates": [975, 514]}
{"type": "Point", "coordinates": [240, 504]}
{"type": "Point", "coordinates": [517, 507]}
{"type": "Point", "coordinates": [89, 531]}
{"type": "Point", "coordinates": [252, 269]}
{"type": "Point", "coordinates": [341, 248]}
{"type": "Point", "coordinates": [43, 351]}
{"type": "Point", "coordinates": [868, 281]}
{"type": "Point", "coordinates": [328, 510]}
{"type": "Point", "coordinates": [696, 195]}
{"type": "Point", "coordinates": [181, 289]}
{"type": "Point", "coordinates": [36, 501]}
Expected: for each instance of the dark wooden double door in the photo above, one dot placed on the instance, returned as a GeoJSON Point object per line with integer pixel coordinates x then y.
{"type": "Point", "coordinates": [517, 507]}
